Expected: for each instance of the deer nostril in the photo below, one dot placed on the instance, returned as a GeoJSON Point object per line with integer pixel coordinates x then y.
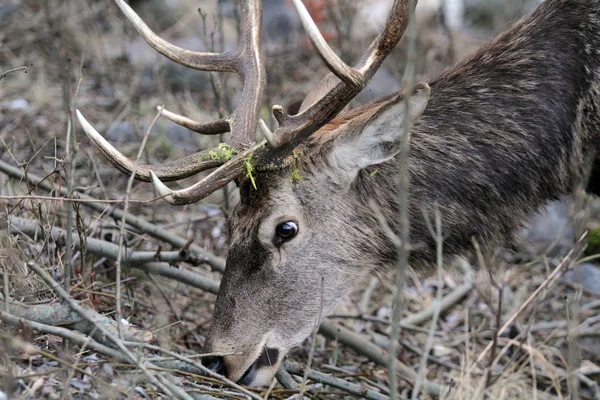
{"type": "Point", "coordinates": [215, 364]}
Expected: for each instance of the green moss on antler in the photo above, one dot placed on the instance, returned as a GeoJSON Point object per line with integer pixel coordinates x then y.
{"type": "Point", "coordinates": [249, 165]}
{"type": "Point", "coordinates": [223, 152]}
{"type": "Point", "coordinates": [295, 173]}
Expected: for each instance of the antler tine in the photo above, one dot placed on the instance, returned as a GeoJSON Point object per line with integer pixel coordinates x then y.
{"type": "Point", "coordinates": [342, 70]}
{"type": "Point", "coordinates": [170, 171]}
{"type": "Point", "coordinates": [211, 128]}
{"type": "Point", "coordinates": [294, 129]}
{"type": "Point", "coordinates": [225, 62]}
{"type": "Point", "coordinates": [246, 61]}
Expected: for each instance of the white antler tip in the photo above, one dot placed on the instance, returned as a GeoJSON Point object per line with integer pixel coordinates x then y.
{"type": "Point", "coordinates": [161, 188]}
{"type": "Point", "coordinates": [266, 133]}
{"type": "Point", "coordinates": [87, 127]}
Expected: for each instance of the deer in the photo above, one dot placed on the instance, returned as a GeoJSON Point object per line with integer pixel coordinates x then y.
{"type": "Point", "coordinates": [492, 139]}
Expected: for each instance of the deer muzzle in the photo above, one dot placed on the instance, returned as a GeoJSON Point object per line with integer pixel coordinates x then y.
{"type": "Point", "coordinates": [255, 367]}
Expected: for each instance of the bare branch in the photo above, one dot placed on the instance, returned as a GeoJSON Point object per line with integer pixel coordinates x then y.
{"type": "Point", "coordinates": [10, 71]}
{"type": "Point", "coordinates": [215, 262]}
{"type": "Point", "coordinates": [148, 261]}
{"type": "Point", "coordinates": [61, 314]}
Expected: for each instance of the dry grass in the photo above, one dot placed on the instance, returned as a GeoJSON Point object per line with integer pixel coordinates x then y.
{"type": "Point", "coordinates": [84, 55]}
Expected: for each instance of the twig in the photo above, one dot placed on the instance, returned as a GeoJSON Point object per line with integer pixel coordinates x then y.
{"type": "Point", "coordinates": [74, 337]}
{"type": "Point", "coordinates": [437, 234]}
{"type": "Point", "coordinates": [124, 220]}
{"type": "Point", "coordinates": [298, 369]}
{"type": "Point", "coordinates": [565, 261]}
{"type": "Point", "coordinates": [216, 263]}
{"type": "Point", "coordinates": [362, 346]}
{"type": "Point", "coordinates": [137, 259]}
{"type": "Point", "coordinates": [312, 345]}
{"type": "Point", "coordinates": [573, 351]}
{"type": "Point", "coordinates": [88, 316]}
{"type": "Point", "coordinates": [285, 379]}
{"type": "Point", "coordinates": [403, 187]}
{"type": "Point", "coordinates": [447, 301]}
{"type": "Point", "coordinates": [24, 69]}
{"type": "Point", "coordinates": [60, 314]}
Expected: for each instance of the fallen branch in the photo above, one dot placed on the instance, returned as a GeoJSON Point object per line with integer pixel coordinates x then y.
{"type": "Point", "coordinates": [90, 317]}
{"type": "Point", "coordinates": [447, 301]}
{"type": "Point", "coordinates": [143, 260]}
{"type": "Point", "coordinates": [144, 226]}
{"type": "Point", "coordinates": [326, 379]}
{"type": "Point", "coordinates": [61, 314]}
{"type": "Point", "coordinates": [73, 336]}
{"type": "Point", "coordinates": [373, 352]}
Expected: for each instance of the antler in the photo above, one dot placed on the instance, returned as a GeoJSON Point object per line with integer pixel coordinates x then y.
{"type": "Point", "coordinates": [294, 129]}
{"type": "Point", "coordinates": [247, 61]}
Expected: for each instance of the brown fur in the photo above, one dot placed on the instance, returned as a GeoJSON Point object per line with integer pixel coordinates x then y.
{"type": "Point", "coordinates": [505, 131]}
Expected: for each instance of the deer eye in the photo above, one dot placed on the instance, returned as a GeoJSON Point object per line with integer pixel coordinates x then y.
{"type": "Point", "coordinates": [285, 231]}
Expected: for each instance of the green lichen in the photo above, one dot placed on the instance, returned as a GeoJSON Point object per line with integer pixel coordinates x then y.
{"type": "Point", "coordinates": [295, 173]}
{"type": "Point", "coordinates": [593, 242]}
{"type": "Point", "coordinates": [374, 172]}
{"type": "Point", "coordinates": [249, 165]}
{"type": "Point", "coordinates": [223, 152]}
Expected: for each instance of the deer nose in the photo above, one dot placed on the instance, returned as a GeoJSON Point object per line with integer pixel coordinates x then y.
{"type": "Point", "coordinates": [268, 357]}
{"type": "Point", "coordinates": [215, 364]}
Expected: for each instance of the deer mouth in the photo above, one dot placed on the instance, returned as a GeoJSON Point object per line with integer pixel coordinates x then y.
{"type": "Point", "coordinates": [269, 357]}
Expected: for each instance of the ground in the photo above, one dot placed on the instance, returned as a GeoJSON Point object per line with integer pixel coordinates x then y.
{"type": "Point", "coordinates": [510, 327]}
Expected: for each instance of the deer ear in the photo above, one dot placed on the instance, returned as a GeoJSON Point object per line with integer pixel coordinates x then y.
{"type": "Point", "coordinates": [374, 137]}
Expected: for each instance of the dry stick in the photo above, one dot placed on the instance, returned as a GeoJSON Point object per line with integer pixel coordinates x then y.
{"type": "Point", "coordinates": [141, 260]}
{"type": "Point", "coordinates": [74, 337]}
{"type": "Point", "coordinates": [86, 315]}
{"type": "Point", "coordinates": [573, 351]}
{"type": "Point", "coordinates": [216, 263]}
{"type": "Point", "coordinates": [564, 262]}
{"type": "Point", "coordinates": [447, 301]}
{"type": "Point", "coordinates": [201, 367]}
{"type": "Point", "coordinates": [363, 346]}
{"type": "Point", "coordinates": [68, 166]}
{"type": "Point", "coordinates": [403, 184]}
{"type": "Point", "coordinates": [62, 314]}
{"type": "Point", "coordinates": [24, 69]}
{"type": "Point", "coordinates": [437, 234]}
{"type": "Point", "coordinates": [72, 200]}
{"type": "Point", "coordinates": [285, 379]}
{"type": "Point", "coordinates": [124, 220]}
{"type": "Point", "coordinates": [326, 379]}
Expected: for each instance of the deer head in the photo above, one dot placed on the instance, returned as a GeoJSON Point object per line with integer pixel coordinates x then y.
{"type": "Point", "coordinates": [294, 248]}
